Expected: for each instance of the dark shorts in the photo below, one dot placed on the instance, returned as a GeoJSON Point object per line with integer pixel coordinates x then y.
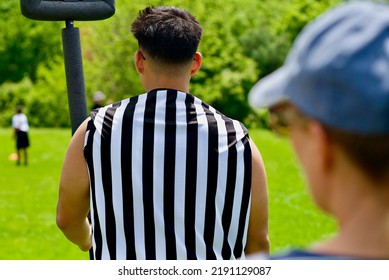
{"type": "Point", "coordinates": [22, 140]}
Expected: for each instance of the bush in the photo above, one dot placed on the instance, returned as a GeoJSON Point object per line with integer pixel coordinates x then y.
{"type": "Point", "coordinates": [44, 102]}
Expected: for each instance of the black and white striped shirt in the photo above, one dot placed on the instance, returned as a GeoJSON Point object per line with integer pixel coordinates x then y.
{"type": "Point", "coordinates": [170, 178]}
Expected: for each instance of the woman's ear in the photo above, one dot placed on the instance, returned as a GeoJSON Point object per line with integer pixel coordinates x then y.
{"type": "Point", "coordinates": [196, 64]}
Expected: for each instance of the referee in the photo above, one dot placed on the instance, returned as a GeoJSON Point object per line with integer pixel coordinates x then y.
{"type": "Point", "coordinates": [163, 174]}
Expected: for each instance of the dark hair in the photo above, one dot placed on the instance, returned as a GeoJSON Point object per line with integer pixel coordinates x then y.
{"type": "Point", "coordinates": [369, 152]}
{"type": "Point", "coordinates": [167, 34]}
{"type": "Point", "coordinates": [19, 109]}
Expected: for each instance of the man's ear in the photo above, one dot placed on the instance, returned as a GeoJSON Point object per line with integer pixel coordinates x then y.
{"type": "Point", "coordinates": [139, 62]}
{"type": "Point", "coordinates": [196, 64]}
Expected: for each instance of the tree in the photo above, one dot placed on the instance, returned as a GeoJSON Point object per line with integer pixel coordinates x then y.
{"type": "Point", "coordinates": [44, 101]}
{"type": "Point", "coordinates": [24, 43]}
{"type": "Point", "coordinates": [279, 23]}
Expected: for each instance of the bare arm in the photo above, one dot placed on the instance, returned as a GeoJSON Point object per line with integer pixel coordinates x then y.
{"type": "Point", "coordinates": [257, 237]}
{"type": "Point", "coordinates": [73, 201]}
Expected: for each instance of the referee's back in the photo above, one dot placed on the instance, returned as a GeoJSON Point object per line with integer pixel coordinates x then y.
{"type": "Point", "coordinates": [170, 179]}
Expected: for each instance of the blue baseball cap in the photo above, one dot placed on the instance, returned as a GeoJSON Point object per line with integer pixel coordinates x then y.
{"type": "Point", "coordinates": [337, 70]}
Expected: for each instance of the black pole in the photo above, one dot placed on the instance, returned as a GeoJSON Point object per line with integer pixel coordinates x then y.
{"type": "Point", "coordinates": [74, 75]}
{"type": "Point", "coordinates": [74, 79]}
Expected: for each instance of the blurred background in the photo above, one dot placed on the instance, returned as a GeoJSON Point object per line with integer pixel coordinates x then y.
{"type": "Point", "coordinates": [243, 40]}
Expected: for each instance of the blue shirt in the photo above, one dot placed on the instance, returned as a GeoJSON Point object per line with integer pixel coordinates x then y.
{"type": "Point", "coordinates": [306, 255]}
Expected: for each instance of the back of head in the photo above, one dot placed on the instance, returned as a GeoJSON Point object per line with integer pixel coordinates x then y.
{"type": "Point", "coordinates": [19, 109]}
{"type": "Point", "coordinates": [167, 34]}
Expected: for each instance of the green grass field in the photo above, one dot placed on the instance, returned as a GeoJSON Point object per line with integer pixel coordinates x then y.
{"type": "Point", "coordinates": [28, 198]}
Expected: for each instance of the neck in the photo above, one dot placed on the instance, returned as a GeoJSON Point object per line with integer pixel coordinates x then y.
{"type": "Point", "coordinates": [160, 82]}
{"type": "Point", "coordinates": [159, 79]}
{"type": "Point", "coordinates": [154, 74]}
{"type": "Point", "coordinates": [362, 213]}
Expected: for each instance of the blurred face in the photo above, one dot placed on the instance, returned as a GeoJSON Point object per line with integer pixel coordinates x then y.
{"type": "Point", "coordinates": [303, 132]}
{"type": "Point", "coordinates": [304, 149]}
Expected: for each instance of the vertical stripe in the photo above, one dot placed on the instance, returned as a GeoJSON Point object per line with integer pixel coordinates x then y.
{"type": "Point", "coordinates": [246, 197]}
{"type": "Point", "coordinates": [220, 228]}
{"type": "Point", "coordinates": [96, 231]}
{"type": "Point", "coordinates": [191, 142]}
{"type": "Point", "coordinates": [117, 184]}
{"type": "Point", "coordinates": [242, 196]}
{"type": "Point", "coordinates": [230, 188]}
{"type": "Point", "coordinates": [158, 175]}
{"type": "Point", "coordinates": [236, 204]}
{"type": "Point", "coordinates": [127, 187]}
{"type": "Point", "coordinates": [137, 171]}
{"type": "Point", "coordinates": [201, 179]}
{"type": "Point", "coordinates": [169, 187]}
{"type": "Point", "coordinates": [179, 154]}
{"type": "Point", "coordinates": [106, 177]}
{"type": "Point", "coordinates": [210, 211]}
{"type": "Point", "coordinates": [99, 190]}
{"type": "Point", "coordinates": [147, 175]}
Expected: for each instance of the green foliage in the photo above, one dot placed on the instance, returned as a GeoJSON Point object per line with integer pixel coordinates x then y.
{"type": "Point", "coordinates": [270, 37]}
{"type": "Point", "coordinates": [48, 102]}
{"type": "Point", "coordinates": [227, 74]}
{"type": "Point", "coordinates": [44, 102]}
{"type": "Point", "coordinates": [108, 49]}
{"type": "Point", "coordinates": [29, 52]}
{"type": "Point", "coordinates": [266, 48]}
{"type": "Point", "coordinates": [24, 43]}
{"type": "Point", "coordinates": [278, 25]}
{"type": "Point", "coordinates": [11, 95]}
{"type": "Point", "coordinates": [298, 13]}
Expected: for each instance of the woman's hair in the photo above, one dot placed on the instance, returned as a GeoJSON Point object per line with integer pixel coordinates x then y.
{"type": "Point", "coordinates": [369, 152]}
{"type": "Point", "coordinates": [167, 34]}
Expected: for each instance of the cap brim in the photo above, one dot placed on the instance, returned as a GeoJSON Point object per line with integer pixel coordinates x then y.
{"type": "Point", "coordinates": [270, 90]}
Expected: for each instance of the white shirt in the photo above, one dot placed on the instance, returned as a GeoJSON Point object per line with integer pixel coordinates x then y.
{"type": "Point", "coordinates": [19, 121]}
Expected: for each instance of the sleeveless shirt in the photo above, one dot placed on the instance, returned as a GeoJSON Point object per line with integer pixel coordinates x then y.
{"type": "Point", "coordinates": [170, 178]}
